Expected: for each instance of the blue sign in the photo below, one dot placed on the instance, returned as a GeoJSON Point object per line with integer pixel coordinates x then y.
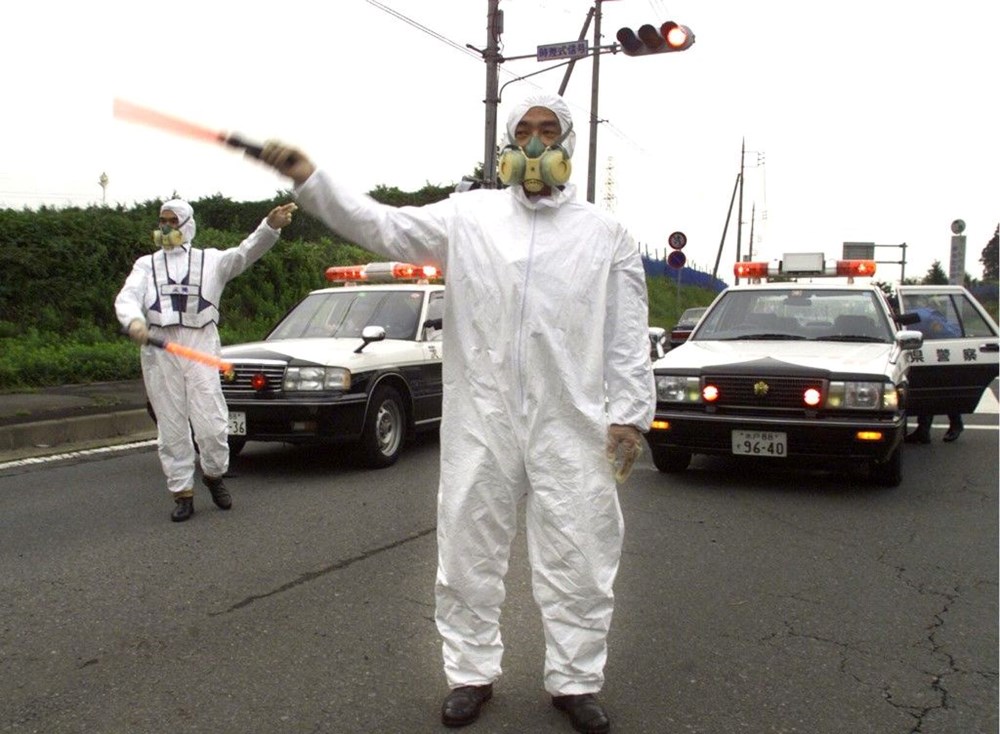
{"type": "Point", "coordinates": [676, 259]}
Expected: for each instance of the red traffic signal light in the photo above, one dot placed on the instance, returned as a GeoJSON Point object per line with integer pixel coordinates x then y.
{"type": "Point", "coordinates": [670, 37]}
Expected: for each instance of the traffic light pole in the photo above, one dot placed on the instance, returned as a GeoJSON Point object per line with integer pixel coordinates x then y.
{"type": "Point", "coordinates": [595, 80]}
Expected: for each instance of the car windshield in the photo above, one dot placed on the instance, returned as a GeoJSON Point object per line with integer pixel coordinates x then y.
{"type": "Point", "coordinates": [345, 312]}
{"type": "Point", "coordinates": [800, 314]}
{"type": "Point", "coordinates": [690, 316]}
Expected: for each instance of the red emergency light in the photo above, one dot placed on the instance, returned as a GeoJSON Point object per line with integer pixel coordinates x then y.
{"type": "Point", "coordinates": [851, 268]}
{"type": "Point", "coordinates": [750, 270]}
{"type": "Point", "coordinates": [381, 272]}
{"type": "Point", "coordinates": [810, 264]}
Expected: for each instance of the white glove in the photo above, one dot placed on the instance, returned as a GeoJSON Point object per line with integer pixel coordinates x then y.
{"type": "Point", "coordinates": [138, 331]}
{"type": "Point", "coordinates": [623, 448]}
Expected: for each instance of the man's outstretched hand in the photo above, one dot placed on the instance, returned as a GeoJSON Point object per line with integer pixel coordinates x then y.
{"type": "Point", "coordinates": [287, 161]}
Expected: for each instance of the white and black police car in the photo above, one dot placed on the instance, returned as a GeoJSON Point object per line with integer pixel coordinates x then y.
{"type": "Point", "coordinates": [356, 363]}
{"type": "Point", "coordinates": [808, 368]}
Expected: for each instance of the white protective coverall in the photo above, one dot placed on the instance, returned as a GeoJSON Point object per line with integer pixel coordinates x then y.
{"type": "Point", "coordinates": [181, 390]}
{"type": "Point", "coordinates": [546, 305]}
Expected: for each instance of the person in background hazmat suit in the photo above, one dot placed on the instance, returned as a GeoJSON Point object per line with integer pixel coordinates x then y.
{"type": "Point", "coordinates": [173, 294]}
{"type": "Point", "coordinates": [546, 376]}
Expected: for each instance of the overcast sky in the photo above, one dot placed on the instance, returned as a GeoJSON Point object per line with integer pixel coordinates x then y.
{"type": "Point", "coordinates": [864, 120]}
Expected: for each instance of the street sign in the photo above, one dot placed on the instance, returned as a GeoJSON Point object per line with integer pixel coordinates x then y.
{"type": "Point", "coordinates": [676, 259]}
{"type": "Point", "coordinates": [568, 50]}
{"type": "Point", "coordinates": [956, 270]}
{"type": "Point", "coordinates": [858, 251]}
{"type": "Point", "coordinates": [677, 240]}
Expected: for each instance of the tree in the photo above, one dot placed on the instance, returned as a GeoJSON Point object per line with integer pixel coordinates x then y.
{"type": "Point", "coordinates": [935, 275]}
{"type": "Point", "coordinates": [989, 257]}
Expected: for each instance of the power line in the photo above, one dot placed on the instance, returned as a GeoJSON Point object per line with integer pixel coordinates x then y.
{"type": "Point", "coordinates": [421, 27]}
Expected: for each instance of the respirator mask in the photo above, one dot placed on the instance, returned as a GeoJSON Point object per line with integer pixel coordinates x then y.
{"type": "Point", "coordinates": [535, 165]}
{"type": "Point", "coordinates": [167, 236]}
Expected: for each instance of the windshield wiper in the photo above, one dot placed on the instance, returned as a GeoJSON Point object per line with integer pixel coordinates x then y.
{"type": "Point", "coordinates": [851, 338]}
{"type": "Point", "coordinates": [788, 337]}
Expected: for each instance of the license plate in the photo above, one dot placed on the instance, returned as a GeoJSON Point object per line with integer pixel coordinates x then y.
{"type": "Point", "coordinates": [760, 443]}
{"type": "Point", "coordinates": [237, 424]}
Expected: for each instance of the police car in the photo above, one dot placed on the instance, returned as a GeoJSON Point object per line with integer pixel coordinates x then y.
{"type": "Point", "coordinates": [810, 368]}
{"type": "Point", "coordinates": [359, 362]}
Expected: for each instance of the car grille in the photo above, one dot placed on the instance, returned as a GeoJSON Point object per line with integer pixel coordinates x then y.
{"type": "Point", "coordinates": [239, 384]}
{"type": "Point", "coordinates": [765, 393]}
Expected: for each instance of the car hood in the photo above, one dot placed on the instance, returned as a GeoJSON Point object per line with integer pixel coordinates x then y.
{"type": "Point", "coordinates": [328, 351]}
{"type": "Point", "coordinates": [841, 356]}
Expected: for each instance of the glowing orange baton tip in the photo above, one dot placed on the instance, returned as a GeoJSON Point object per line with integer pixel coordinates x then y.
{"type": "Point", "coordinates": [124, 110]}
{"type": "Point", "coordinates": [193, 354]}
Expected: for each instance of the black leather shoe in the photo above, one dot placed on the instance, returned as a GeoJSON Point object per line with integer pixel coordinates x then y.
{"type": "Point", "coordinates": [952, 434]}
{"type": "Point", "coordinates": [183, 510]}
{"type": "Point", "coordinates": [462, 705]}
{"type": "Point", "coordinates": [220, 495]}
{"type": "Point", "coordinates": [585, 713]}
{"type": "Point", "coordinates": [918, 437]}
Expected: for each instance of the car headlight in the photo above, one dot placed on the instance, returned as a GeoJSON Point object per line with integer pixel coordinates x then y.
{"type": "Point", "coordinates": [863, 396]}
{"type": "Point", "coordinates": [678, 389]}
{"type": "Point", "coordinates": [316, 378]}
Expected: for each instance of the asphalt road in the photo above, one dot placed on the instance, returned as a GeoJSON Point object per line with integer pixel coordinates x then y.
{"type": "Point", "coordinates": [751, 598]}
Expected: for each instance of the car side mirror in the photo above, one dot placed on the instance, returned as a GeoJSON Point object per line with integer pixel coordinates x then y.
{"type": "Point", "coordinates": [370, 334]}
{"type": "Point", "coordinates": [909, 340]}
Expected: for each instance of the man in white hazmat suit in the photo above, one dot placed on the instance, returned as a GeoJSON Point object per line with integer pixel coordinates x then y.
{"type": "Point", "coordinates": [546, 375]}
{"type": "Point", "coordinates": [173, 294]}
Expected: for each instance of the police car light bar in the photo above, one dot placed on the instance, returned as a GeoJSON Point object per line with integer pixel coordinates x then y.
{"type": "Point", "coordinates": [381, 272]}
{"type": "Point", "coordinates": [805, 264]}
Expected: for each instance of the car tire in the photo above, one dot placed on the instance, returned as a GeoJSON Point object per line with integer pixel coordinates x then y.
{"type": "Point", "coordinates": [236, 445]}
{"type": "Point", "coordinates": [384, 430]}
{"type": "Point", "coordinates": [888, 473]}
{"type": "Point", "coordinates": [670, 461]}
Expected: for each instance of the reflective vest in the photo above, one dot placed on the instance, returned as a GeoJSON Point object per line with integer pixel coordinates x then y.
{"type": "Point", "coordinates": [185, 302]}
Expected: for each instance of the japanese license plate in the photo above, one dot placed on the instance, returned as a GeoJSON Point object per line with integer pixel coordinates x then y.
{"type": "Point", "coordinates": [237, 424]}
{"type": "Point", "coordinates": [760, 443]}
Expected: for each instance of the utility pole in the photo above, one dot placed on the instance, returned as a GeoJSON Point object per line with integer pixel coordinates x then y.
{"type": "Point", "coordinates": [739, 218]}
{"type": "Point", "coordinates": [572, 62]}
{"type": "Point", "coordinates": [592, 160]}
{"type": "Point", "coordinates": [725, 228]}
{"type": "Point", "coordinates": [494, 28]}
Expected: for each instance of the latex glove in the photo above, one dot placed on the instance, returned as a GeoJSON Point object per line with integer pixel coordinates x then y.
{"type": "Point", "coordinates": [623, 448]}
{"type": "Point", "coordinates": [138, 331]}
{"type": "Point", "coordinates": [287, 160]}
{"type": "Point", "coordinates": [281, 216]}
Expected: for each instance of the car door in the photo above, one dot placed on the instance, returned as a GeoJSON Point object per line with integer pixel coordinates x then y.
{"type": "Point", "coordinates": [959, 357]}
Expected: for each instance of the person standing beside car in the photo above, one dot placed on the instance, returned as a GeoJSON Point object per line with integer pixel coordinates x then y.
{"type": "Point", "coordinates": [173, 295]}
{"type": "Point", "coordinates": [546, 374]}
{"type": "Point", "coordinates": [933, 324]}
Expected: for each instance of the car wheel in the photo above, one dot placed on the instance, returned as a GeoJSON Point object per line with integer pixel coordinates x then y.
{"type": "Point", "coordinates": [384, 429]}
{"type": "Point", "coordinates": [236, 445]}
{"type": "Point", "coordinates": [888, 473]}
{"type": "Point", "coordinates": [670, 461]}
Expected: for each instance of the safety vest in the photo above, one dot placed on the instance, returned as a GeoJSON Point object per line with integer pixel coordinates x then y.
{"type": "Point", "coordinates": [182, 302]}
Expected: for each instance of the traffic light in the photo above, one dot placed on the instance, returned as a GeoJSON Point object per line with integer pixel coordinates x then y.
{"type": "Point", "coordinates": [671, 36]}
